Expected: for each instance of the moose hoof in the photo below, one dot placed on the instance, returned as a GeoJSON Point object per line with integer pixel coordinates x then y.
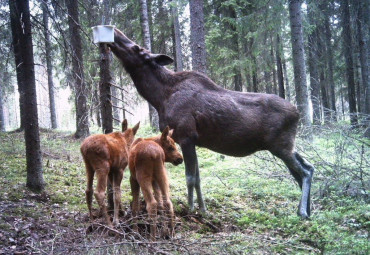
{"type": "Point", "coordinates": [303, 215]}
{"type": "Point", "coordinates": [115, 223]}
{"type": "Point", "coordinates": [203, 210]}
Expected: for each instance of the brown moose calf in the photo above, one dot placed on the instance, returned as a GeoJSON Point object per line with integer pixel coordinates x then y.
{"type": "Point", "coordinates": [107, 156]}
{"type": "Point", "coordinates": [148, 172]}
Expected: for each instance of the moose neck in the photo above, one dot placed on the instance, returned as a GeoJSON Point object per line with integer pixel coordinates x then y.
{"type": "Point", "coordinates": [151, 83]}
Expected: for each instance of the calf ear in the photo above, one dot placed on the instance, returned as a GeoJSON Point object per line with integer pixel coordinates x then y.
{"type": "Point", "coordinates": [161, 59]}
{"type": "Point", "coordinates": [165, 133]}
{"type": "Point", "coordinates": [124, 125]}
{"type": "Point", "coordinates": [170, 133]}
{"type": "Point", "coordinates": [135, 128]}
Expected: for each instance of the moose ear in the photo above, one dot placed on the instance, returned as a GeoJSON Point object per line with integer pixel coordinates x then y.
{"type": "Point", "coordinates": [161, 59]}
{"type": "Point", "coordinates": [124, 125]}
{"type": "Point", "coordinates": [165, 133]}
{"type": "Point", "coordinates": [135, 128]}
{"type": "Point", "coordinates": [170, 133]}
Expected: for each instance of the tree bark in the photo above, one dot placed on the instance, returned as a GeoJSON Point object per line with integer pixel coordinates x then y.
{"type": "Point", "coordinates": [254, 74]}
{"type": "Point", "coordinates": [153, 114]}
{"type": "Point", "coordinates": [96, 101]}
{"type": "Point", "coordinates": [35, 180]}
{"type": "Point", "coordinates": [329, 56]}
{"type": "Point", "coordinates": [197, 36]}
{"type": "Point", "coordinates": [363, 46]}
{"type": "Point", "coordinates": [2, 123]}
{"type": "Point", "coordinates": [122, 96]}
{"type": "Point", "coordinates": [273, 68]}
{"type": "Point", "coordinates": [286, 80]}
{"type": "Point", "coordinates": [105, 77]}
{"type": "Point", "coordinates": [105, 89]}
{"type": "Point", "coordinates": [16, 33]}
{"type": "Point", "coordinates": [267, 76]}
{"type": "Point", "coordinates": [347, 44]}
{"type": "Point", "coordinates": [233, 44]}
{"type": "Point", "coordinates": [312, 66]}
{"type": "Point", "coordinates": [322, 65]}
{"type": "Point", "coordinates": [299, 63]}
{"type": "Point", "coordinates": [116, 112]}
{"type": "Point", "coordinates": [177, 33]}
{"type": "Point", "coordinates": [49, 67]}
{"type": "Point", "coordinates": [82, 114]}
{"type": "Point", "coordinates": [279, 67]}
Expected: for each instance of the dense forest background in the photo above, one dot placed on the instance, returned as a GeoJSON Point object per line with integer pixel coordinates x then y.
{"type": "Point", "coordinates": [248, 47]}
{"type": "Point", "coordinates": [58, 87]}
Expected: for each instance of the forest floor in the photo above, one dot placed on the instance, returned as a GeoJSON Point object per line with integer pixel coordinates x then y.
{"type": "Point", "coordinates": [251, 202]}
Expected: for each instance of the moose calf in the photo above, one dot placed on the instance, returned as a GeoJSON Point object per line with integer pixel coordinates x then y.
{"type": "Point", "coordinates": [146, 163]}
{"type": "Point", "coordinates": [107, 156]}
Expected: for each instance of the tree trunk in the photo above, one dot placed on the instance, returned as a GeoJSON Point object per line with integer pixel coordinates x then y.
{"type": "Point", "coordinates": [105, 89]}
{"type": "Point", "coordinates": [312, 66]}
{"type": "Point", "coordinates": [273, 68]}
{"type": "Point", "coordinates": [16, 33]}
{"type": "Point", "coordinates": [230, 13]}
{"type": "Point", "coordinates": [254, 74]}
{"type": "Point", "coordinates": [197, 36]}
{"type": "Point", "coordinates": [299, 63]}
{"type": "Point", "coordinates": [177, 33]}
{"type": "Point", "coordinates": [82, 114]}
{"type": "Point", "coordinates": [364, 60]}
{"type": "Point", "coordinates": [116, 102]}
{"type": "Point", "coordinates": [49, 66]}
{"type": "Point", "coordinates": [286, 80]}
{"type": "Point", "coordinates": [322, 65]}
{"type": "Point", "coordinates": [105, 77]}
{"type": "Point", "coordinates": [35, 180]}
{"type": "Point", "coordinates": [122, 96]}
{"type": "Point", "coordinates": [347, 44]}
{"type": "Point", "coordinates": [279, 67]}
{"type": "Point", "coordinates": [2, 123]}
{"type": "Point", "coordinates": [266, 77]}
{"type": "Point", "coordinates": [329, 56]}
{"type": "Point", "coordinates": [249, 81]}
{"type": "Point", "coordinates": [96, 103]}
{"type": "Point", "coordinates": [153, 115]}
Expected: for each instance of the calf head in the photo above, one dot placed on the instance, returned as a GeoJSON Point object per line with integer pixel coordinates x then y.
{"type": "Point", "coordinates": [168, 144]}
{"type": "Point", "coordinates": [129, 133]}
{"type": "Point", "coordinates": [132, 55]}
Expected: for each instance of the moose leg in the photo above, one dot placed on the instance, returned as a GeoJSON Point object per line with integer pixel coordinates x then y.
{"type": "Point", "coordinates": [102, 179]}
{"type": "Point", "coordinates": [89, 189]}
{"type": "Point", "coordinates": [135, 190]}
{"type": "Point", "coordinates": [151, 205]}
{"type": "Point", "coordinates": [302, 171]}
{"type": "Point", "coordinates": [116, 183]}
{"type": "Point", "coordinates": [162, 182]}
{"type": "Point", "coordinates": [158, 196]}
{"type": "Point", "coordinates": [192, 174]}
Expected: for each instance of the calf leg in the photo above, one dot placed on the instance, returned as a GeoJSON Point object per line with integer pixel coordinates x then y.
{"type": "Point", "coordinates": [135, 191]}
{"type": "Point", "coordinates": [162, 181]}
{"type": "Point", "coordinates": [151, 204]}
{"type": "Point", "coordinates": [302, 172]}
{"type": "Point", "coordinates": [192, 175]}
{"type": "Point", "coordinates": [89, 188]}
{"type": "Point", "coordinates": [116, 182]}
{"type": "Point", "coordinates": [102, 177]}
{"type": "Point", "coordinates": [158, 196]}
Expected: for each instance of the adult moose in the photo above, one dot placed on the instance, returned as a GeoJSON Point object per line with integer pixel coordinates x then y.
{"type": "Point", "coordinates": [204, 114]}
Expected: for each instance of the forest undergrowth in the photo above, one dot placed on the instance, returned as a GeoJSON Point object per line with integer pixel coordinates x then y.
{"type": "Point", "coordinates": [251, 201]}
